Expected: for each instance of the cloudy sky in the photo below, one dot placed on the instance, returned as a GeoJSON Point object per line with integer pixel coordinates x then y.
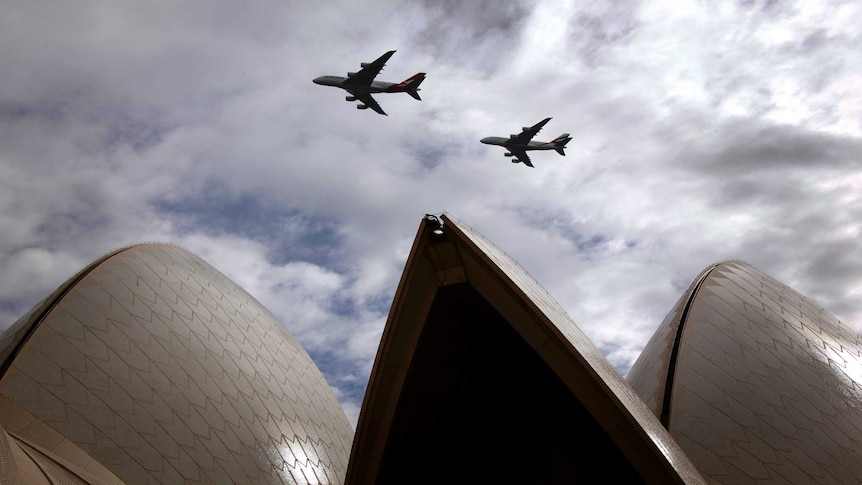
{"type": "Point", "coordinates": [702, 131]}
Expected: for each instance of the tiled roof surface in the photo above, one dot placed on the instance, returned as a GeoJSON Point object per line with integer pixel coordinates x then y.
{"type": "Point", "coordinates": [767, 387]}
{"type": "Point", "coordinates": [464, 296]}
{"type": "Point", "coordinates": [163, 370]}
{"type": "Point", "coordinates": [149, 366]}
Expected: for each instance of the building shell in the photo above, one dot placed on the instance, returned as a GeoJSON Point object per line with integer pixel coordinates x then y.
{"type": "Point", "coordinates": [149, 366]}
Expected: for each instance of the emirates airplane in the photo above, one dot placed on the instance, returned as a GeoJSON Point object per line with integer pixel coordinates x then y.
{"type": "Point", "coordinates": [361, 84]}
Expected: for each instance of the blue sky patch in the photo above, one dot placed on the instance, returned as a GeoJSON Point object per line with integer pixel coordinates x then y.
{"type": "Point", "coordinates": [290, 233]}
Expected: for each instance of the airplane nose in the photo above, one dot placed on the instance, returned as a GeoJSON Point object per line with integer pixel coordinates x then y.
{"type": "Point", "coordinates": [317, 80]}
{"type": "Point", "coordinates": [486, 140]}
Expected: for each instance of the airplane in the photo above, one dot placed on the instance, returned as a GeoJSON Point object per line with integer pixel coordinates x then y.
{"type": "Point", "coordinates": [518, 145]}
{"type": "Point", "coordinates": [361, 84]}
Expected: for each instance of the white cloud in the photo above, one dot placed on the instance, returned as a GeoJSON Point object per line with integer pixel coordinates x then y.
{"type": "Point", "coordinates": [702, 131]}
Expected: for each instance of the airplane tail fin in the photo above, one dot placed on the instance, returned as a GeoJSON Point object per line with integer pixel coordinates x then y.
{"type": "Point", "coordinates": [412, 85]}
{"type": "Point", "coordinates": [560, 143]}
{"type": "Point", "coordinates": [409, 86]}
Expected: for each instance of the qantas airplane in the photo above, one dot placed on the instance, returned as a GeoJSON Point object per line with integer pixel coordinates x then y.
{"type": "Point", "coordinates": [518, 145]}
{"type": "Point", "coordinates": [361, 84]}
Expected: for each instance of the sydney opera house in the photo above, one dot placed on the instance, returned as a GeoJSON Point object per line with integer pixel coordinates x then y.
{"type": "Point", "coordinates": [150, 366]}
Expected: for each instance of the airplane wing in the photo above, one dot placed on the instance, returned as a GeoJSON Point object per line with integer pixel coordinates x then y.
{"type": "Point", "coordinates": [521, 156]}
{"type": "Point", "coordinates": [528, 133]}
{"type": "Point", "coordinates": [369, 101]}
{"type": "Point", "coordinates": [369, 71]}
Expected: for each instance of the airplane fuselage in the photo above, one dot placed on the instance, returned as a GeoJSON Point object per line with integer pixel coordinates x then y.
{"type": "Point", "coordinates": [518, 145]}
{"type": "Point", "coordinates": [361, 85]}
{"type": "Point", "coordinates": [339, 82]}
{"type": "Point", "coordinates": [507, 142]}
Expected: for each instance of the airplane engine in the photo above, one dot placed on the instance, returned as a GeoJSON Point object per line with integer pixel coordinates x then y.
{"type": "Point", "coordinates": [507, 154]}
{"type": "Point", "coordinates": [363, 64]}
{"type": "Point", "coordinates": [361, 106]}
{"type": "Point", "coordinates": [351, 74]}
{"type": "Point", "coordinates": [526, 128]}
{"type": "Point", "coordinates": [351, 98]}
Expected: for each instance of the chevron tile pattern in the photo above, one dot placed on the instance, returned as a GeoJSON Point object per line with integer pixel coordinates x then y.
{"type": "Point", "coordinates": [767, 386]}
{"type": "Point", "coordinates": [162, 370]}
